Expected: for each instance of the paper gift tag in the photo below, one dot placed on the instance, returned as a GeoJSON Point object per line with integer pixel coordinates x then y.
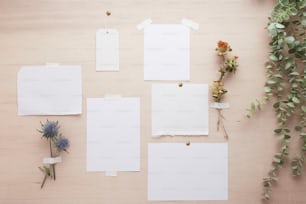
{"type": "Point", "coordinates": [107, 50]}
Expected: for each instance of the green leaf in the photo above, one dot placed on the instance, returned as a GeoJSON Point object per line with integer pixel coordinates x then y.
{"type": "Point", "coordinates": [290, 104]}
{"type": "Point", "coordinates": [266, 196]}
{"type": "Point", "coordinates": [295, 100]}
{"type": "Point", "coordinates": [273, 58]}
{"type": "Point", "coordinates": [277, 160]}
{"type": "Point", "coordinates": [267, 89]}
{"type": "Point", "coordinates": [304, 109]}
{"type": "Point", "coordinates": [287, 137]}
{"type": "Point", "coordinates": [276, 105]}
{"type": "Point", "coordinates": [287, 65]}
{"type": "Point", "coordinates": [278, 25]}
{"type": "Point", "coordinates": [289, 40]}
{"type": "Point", "coordinates": [270, 81]}
{"type": "Point", "coordinates": [279, 130]}
{"type": "Point", "coordinates": [278, 76]}
{"type": "Point", "coordinates": [294, 74]}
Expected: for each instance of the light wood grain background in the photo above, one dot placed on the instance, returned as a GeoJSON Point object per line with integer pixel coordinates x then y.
{"type": "Point", "coordinates": [33, 32]}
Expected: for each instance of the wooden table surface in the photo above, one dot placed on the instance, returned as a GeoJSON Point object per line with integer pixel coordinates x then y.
{"type": "Point", "coordinates": [34, 32]}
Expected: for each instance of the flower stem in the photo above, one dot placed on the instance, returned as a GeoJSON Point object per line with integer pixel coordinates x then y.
{"type": "Point", "coordinates": [220, 122]}
{"type": "Point", "coordinates": [43, 183]}
{"type": "Point", "coordinates": [52, 165]}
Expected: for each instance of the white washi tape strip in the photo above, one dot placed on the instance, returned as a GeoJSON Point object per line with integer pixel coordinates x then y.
{"type": "Point", "coordinates": [144, 23]}
{"type": "Point", "coordinates": [52, 160]}
{"type": "Point", "coordinates": [111, 173]}
{"type": "Point", "coordinates": [190, 23]}
{"type": "Point", "coordinates": [112, 96]}
{"type": "Point", "coordinates": [52, 64]}
{"type": "Point", "coordinates": [220, 105]}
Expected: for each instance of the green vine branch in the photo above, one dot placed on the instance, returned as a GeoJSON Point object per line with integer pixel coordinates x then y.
{"type": "Point", "coordinates": [286, 80]}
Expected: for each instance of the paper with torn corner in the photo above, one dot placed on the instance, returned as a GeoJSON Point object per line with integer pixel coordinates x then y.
{"type": "Point", "coordinates": [113, 134]}
{"type": "Point", "coordinates": [179, 110]}
{"type": "Point", "coordinates": [177, 172]}
{"type": "Point", "coordinates": [107, 50]}
{"type": "Point", "coordinates": [166, 52]}
{"type": "Point", "coordinates": [49, 90]}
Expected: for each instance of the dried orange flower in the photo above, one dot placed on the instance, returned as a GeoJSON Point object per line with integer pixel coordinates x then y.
{"type": "Point", "coordinates": [223, 48]}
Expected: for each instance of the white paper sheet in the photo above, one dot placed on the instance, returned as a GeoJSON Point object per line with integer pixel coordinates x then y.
{"type": "Point", "coordinates": [113, 134]}
{"type": "Point", "coordinates": [107, 50]}
{"type": "Point", "coordinates": [49, 90]}
{"type": "Point", "coordinates": [177, 172]}
{"type": "Point", "coordinates": [166, 52]}
{"type": "Point", "coordinates": [179, 110]}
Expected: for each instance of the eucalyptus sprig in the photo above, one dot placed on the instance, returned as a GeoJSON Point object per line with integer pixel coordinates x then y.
{"type": "Point", "coordinates": [229, 65]}
{"type": "Point", "coordinates": [57, 144]}
{"type": "Point", "coordinates": [285, 83]}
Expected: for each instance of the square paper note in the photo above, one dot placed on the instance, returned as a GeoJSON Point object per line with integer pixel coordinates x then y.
{"type": "Point", "coordinates": [179, 110]}
{"type": "Point", "coordinates": [166, 52]}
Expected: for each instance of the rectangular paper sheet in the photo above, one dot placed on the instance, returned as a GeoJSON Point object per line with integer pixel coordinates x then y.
{"type": "Point", "coordinates": [179, 110]}
{"type": "Point", "coordinates": [113, 134]}
{"type": "Point", "coordinates": [166, 52]}
{"type": "Point", "coordinates": [107, 50]}
{"type": "Point", "coordinates": [177, 172]}
{"type": "Point", "coordinates": [49, 90]}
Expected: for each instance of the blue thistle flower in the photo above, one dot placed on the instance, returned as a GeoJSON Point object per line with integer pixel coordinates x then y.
{"type": "Point", "coordinates": [50, 129]}
{"type": "Point", "coordinates": [62, 144]}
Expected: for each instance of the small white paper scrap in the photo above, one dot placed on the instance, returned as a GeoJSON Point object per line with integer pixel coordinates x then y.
{"type": "Point", "coordinates": [177, 172]}
{"type": "Point", "coordinates": [179, 110]}
{"type": "Point", "coordinates": [220, 105]}
{"type": "Point", "coordinates": [107, 50]}
{"type": "Point", "coordinates": [143, 24]}
{"type": "Point", "coordinates": [52, 160]}
{"type": "Point", "coordinates": [113, 134]}
{"type": "Point", "coordinates": [166, 52]}
{"type": "Point", "coordinates": [49, 90]}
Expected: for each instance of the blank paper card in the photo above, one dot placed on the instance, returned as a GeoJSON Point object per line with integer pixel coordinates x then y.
{"type": "Point", "coordinates": [177, 172]}
{"type": "Point", "coordinates": [166, 52]}
{"type": "Point", "coordinates": [179, 110]}
{"type": "Point", "coordinates": [50, 90]}
{"type": "Point", "coordinates": [113, 134]}
{"type": "Point", "coordinates": [107, 50]}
